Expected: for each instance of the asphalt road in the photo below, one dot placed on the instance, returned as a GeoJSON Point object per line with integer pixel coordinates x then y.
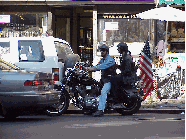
{"type": "Point", "coordinates": [111, 126]}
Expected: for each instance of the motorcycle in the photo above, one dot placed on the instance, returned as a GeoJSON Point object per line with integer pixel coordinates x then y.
{"type": "Point", "coordinates": [84, 92]}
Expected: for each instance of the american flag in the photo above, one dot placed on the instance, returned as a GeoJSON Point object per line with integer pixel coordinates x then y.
{"type": "Point", "coordinates": [146, 69]}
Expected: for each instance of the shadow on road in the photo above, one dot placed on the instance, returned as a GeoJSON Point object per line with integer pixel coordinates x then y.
{"type": "Point", "coordinates": [25, 119]}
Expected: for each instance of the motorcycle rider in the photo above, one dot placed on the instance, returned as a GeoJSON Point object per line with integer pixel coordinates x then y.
{"type": "Point", "coordinates": [127, 75]}
{"type": "Point", "coordinates": [107, 67]}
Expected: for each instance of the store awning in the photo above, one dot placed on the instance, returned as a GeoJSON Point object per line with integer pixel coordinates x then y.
{"type": "Point", "coordinates": [171, 2]}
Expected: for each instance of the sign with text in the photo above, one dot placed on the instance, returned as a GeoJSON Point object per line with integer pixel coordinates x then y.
{"type": "Point", "coordinates": [111, 25]}
{"type": "Point", "coordinates": [116, 16]}
{"type": "Point", "coordinates": [4, 18]}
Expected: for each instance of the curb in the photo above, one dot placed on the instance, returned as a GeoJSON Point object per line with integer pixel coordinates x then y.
{"type": "Point", "coordinates": [168, 111]}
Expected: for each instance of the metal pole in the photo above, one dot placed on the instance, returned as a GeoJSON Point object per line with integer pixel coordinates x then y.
{"type": "Point", "coordinates": [94, 35]}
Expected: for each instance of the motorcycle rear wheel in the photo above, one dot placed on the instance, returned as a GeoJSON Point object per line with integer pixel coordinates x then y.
{"type": "Point", "coordinates": [132, 106]}
{"type": "Point", "coordinates": [61, 107]}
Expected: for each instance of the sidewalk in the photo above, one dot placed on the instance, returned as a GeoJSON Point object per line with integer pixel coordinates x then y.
{"type": "Point", "coordinates": [152, 104]}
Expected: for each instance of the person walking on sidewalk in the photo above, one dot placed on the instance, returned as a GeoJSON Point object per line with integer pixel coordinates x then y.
{"type": "Point", "coordinates": [107, 67]}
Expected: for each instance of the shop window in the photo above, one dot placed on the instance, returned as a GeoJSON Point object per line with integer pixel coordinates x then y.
{"type": "Point", "coordinates": [31, 51]}
{"type": "Point", "coordinates": [24, 25]}
{"type": "Point", "coordinates": [177, 38]}
{"type": "Point", "coordinates": [126, 30]}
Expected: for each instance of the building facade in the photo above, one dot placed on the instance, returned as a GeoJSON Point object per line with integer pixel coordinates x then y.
{"type": "Point", "coordinates": [88, 24]}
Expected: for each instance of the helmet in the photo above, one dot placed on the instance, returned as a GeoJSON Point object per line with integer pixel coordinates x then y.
{"type": "Point", "coordinates": [104, 47]}
{"type": "Point", "coordinates": [123, 47]}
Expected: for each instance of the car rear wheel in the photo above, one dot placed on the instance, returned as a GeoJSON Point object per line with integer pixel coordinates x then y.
{"type": "Point", "coordinates": [9, 114]}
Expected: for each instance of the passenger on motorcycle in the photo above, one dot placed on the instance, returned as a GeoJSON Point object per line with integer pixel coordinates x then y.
{"type": "Point", "coordinates": [126, 76]}
{"type": "Point", "coordinates": [107, 67]}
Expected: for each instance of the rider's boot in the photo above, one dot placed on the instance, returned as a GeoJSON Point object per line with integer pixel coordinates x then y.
{"type": "Point", "coordinates": [98, 113]}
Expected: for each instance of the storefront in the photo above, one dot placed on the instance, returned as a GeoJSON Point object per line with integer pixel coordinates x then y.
{"type": "Point", "coordinates": [174, 56]}
{"type": "Point", "coordinates": [69, 20]}
{"type": "Point", "coordinates": [83, 25]}
{"type": "Point", "coordinates": [88, 24]}
{"type": "Point", "coordinates": [120, 24]}
{"type": "Point", "coordinates": [23, 21]}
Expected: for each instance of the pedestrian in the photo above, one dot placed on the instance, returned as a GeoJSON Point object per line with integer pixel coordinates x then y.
{"type": "Point", "coordinates": [107, 67]}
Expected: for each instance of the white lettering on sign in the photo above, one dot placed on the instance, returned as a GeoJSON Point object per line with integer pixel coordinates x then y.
{"type": "Point", "coordinates": [120, 16]}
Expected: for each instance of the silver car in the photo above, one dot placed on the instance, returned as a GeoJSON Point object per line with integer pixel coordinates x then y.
{"type": "Point", "coordinates": [22, 91]}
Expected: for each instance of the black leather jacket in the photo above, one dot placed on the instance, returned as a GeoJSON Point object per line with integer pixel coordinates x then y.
{"type": "Point", "coordinates": [128, 70]}
{"type": "Point", "coordinates": [126, 65]}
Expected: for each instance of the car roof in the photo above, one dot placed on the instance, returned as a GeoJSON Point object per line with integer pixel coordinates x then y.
{"type": "Point", "coordinates": [37, 38]}
{"type": "Point", "coordinates": [34, 38]}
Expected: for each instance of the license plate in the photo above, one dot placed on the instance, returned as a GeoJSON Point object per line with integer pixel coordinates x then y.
{"type": "Point", "coordinates": [88, 87]}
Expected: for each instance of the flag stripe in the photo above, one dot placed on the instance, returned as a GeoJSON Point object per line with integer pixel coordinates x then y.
{"type": "Point", "coordinates": [146, 69]}
{"type": "Point", "coordinates": [146, 61]}
{"type": "Point", "coordinates": [148, 85]}
{"type": "Point", "coordinates": [146, 57]}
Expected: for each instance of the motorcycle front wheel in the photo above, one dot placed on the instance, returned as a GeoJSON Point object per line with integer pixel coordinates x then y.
{"type": "Point", "coordinates": [61, 107]}
{"type": "Point", "coordinates": [132, 106]}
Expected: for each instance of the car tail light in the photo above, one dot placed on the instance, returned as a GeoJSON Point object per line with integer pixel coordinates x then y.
{"type": "Point", "coordinates": [37, 83]}
{"type": "Point", "coordinates": [33, 83]}
{"type": "Point", "coordinates": [55, 72]}
{"type": "Point", "coordinates": [28, 83]}
{"type": "Point", "coordinates": [56, 77]}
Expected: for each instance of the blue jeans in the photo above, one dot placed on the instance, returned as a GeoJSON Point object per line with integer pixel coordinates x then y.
{"type": "Point", "coordinates": [103, 96]}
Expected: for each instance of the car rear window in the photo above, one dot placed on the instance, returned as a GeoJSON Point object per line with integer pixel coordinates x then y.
{"type": "Point", "coordinates": [62, 50]}
{"type": "Point", "coordinates": [4, 48]}
{"type": "Point", "coordinates": [31, 51]}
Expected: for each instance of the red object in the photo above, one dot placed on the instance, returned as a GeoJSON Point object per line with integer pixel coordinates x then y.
{"type": "Point", "coordinates": [32, 83]}
{"type": "Point", "coordinates": [37, 83]}
{"type": "Point", "coordinates": [28, 83]}
{"type": "Point", "coordinates": [56, 77]}
{"type": "Point", "coordinates": [146, 69]}
{"type": "Point", "coordinates": [80, 67]}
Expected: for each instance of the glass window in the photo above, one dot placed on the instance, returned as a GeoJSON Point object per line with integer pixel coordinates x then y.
{"type": "Point", "coordinates": [4, 48]}
{"type": "Point", "coordinates": [66, 48]}
{"type": "Point", "coordinates": [126, 30]}
{"type": "Point", "coordinates": [62, 50]}
{"type": "Point", "coordinates": [31, 51]}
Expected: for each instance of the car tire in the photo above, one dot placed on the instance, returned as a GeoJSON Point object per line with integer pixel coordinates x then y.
{"type": "Point", "coordinates": [9, 114]}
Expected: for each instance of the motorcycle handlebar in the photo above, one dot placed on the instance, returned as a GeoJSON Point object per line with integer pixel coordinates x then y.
{"type": "Point", "coordinates": [81, 66]}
